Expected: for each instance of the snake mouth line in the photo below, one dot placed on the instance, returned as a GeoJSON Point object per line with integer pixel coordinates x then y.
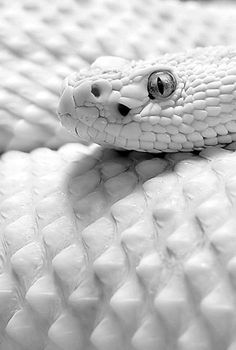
{"type": "Point", "coordinates": [103, 137]}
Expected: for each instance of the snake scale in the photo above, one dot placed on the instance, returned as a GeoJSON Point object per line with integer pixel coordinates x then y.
{"type": "Point", "coordinates": [102, 249]}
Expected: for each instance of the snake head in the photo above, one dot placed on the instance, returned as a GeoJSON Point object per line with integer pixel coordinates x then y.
{"type": "Point", "coordinates": [169, 104]}
{"type": "Point", "coordinates": [117, 102]}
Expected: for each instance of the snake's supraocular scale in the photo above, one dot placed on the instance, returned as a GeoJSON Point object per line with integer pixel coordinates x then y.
{"type": "Point", "coordinates": [177, 102]}
{"type": "Point", "coordinates": [102, 251]}
{"type": "Point", "coordinates": [41, 43]}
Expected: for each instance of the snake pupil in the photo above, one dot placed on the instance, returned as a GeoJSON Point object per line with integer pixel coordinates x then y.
{"type": "Point", "coordinates": [124, 110]}
{"type": "Point", "coordinates": [160, 85]}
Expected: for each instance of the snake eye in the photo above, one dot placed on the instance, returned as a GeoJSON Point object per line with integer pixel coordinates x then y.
{"type": "Point", "coordinates": [161, 84]}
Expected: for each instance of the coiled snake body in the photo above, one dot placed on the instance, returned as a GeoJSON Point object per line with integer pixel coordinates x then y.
{"type": "Point", "coordinates": [101, 249]}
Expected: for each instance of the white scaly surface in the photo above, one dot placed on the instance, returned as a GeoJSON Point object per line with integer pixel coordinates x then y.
{"type": "Point", "coordinates": [101, 250]}
{"type": "Point", "coordinates": [118, 103]}
{"type": "Point", "coordinates": [42, 43]}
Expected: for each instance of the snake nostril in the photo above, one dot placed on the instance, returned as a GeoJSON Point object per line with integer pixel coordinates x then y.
{"type": "Point", "coordinates": [124, 110]}
{"type": "Point", "coordinates": [95, 90]}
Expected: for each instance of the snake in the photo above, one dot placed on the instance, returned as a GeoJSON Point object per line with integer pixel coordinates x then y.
{"type": "Point", "coordinates": [178, 102]}
{"type": "Point", "coordinates": [117, 175]}
{"type": "Point", "coordinates": [41, 45]}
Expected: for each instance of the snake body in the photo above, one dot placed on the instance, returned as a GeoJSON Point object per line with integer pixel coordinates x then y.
{"type": "Point", "coordinates": [101, 249]}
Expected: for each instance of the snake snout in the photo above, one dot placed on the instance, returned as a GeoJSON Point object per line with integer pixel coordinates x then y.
{"type": "Point", "coordinates": [79, 104]}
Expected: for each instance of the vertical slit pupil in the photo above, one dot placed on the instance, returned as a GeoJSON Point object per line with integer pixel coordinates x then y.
{"type": "Point", "coordinates": [160, 85]}
{"type": "Point", "coordinates": [95, 90]}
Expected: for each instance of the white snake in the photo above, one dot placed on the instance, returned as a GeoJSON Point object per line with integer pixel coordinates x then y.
{"type": "Point", "coordinates": [102, 250]}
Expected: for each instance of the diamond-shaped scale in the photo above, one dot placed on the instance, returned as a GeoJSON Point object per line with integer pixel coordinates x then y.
{"type": "Point", "coordinates": [98, 235]}
{"type": "Point", "coordinates": [28, 263]}
{"type": "Point", "coordinates": [86, 301]}
{"type": "Point", "coordinates": [150, 335]}
{"type": "Point", "coordinates": [9, 299]}
{"type": "Point", "coordinates": [127, 302]}
{"type": "Point", "coordinates": [23, 329]}
{"type": "Point", "coordinates": [195, 337]}
{"type": "Point", "coordinates": [219, 310]}
{"type": "Point", "coordinates": [68, 265]}
{"type": "Point", "coordinates": [201, 272]}
{"type": "Point", "coordinates": [139, 237]}
{"type": "Point", "coordinates": [173, 306]}
{"type": "Point", "coordinates": [43, 297]}
{"type": "Point", "coordinates": [107, 335]}
{"type": "Point", "coordinates": [66, 333]}
{"type": "Point", "coordinates": [149, 270]}
{"type": "Point", "coordinates": [111, 266]}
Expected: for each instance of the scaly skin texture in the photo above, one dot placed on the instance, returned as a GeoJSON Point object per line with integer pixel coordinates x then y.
{"type": "Point", "coordinates": [200, 112]}
{"type": "Point", "coordinates": [41, 43]}
{"type": "Point", "coordinates": [101, 250]}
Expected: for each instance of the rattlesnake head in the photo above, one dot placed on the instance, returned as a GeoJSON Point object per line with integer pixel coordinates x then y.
{"type": "Point", "coordinates": [177, 102]}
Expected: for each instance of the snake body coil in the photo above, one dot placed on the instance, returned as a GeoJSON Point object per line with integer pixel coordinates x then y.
{"type": "Point", "coordinates": [101, 249]}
